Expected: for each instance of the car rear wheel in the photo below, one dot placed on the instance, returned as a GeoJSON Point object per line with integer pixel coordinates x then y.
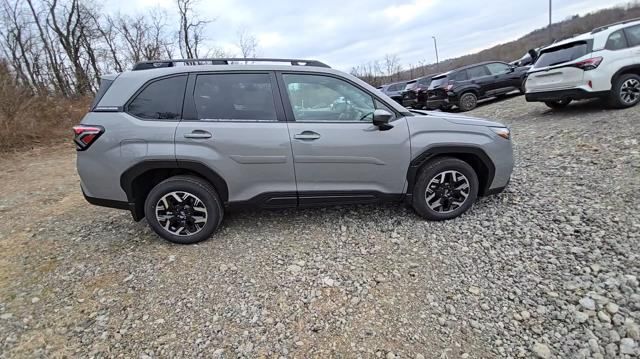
{"type": "Point", "coordinates": [446, 188]}
{"type": "Point", "coordinates": [558, 104]}
{"type": "Point", "coordinates": [625, 91]}
{"type": "Point", "coordinates": [183, 209]}
{"type": "Point", "coordinates": [468, 101]}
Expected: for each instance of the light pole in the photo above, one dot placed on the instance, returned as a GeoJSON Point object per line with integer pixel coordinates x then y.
{"type": "Point", "coordinates": [435, 45]}
{"type": "Point", "coordinates": [550, 32]}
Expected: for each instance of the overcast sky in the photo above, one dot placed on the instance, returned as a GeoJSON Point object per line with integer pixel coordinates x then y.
{"type": "Point", "coordinates": [345, 33]}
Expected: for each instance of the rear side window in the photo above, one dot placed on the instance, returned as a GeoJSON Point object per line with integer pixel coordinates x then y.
{"type": "Point", "coordinates": [616, 41]}
{"type": "Point", "coordinates": [235, 97]}
{"type": "Point", "coordinates": [478, 71]}
{"type": "Point", "coordinates": [561, 54]}
{"type": "Point", "coordinates": [633, 35]}
{"type": "Point", "coordinates": [460, 76]}
{"type": "Point", "coordinates": [160, 100]}
{"type": "Point", "coordinates": [411, 85]}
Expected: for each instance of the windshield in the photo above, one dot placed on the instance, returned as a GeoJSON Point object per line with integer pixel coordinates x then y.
{"type": "Point", "coordinates": [561, 54]}
{"type": "Point", "coordinates": [438, 81]}
{"type": "Point", "coordinates": [410, 86]}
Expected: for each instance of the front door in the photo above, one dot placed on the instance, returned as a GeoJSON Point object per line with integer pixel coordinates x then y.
{"type": "Point", "coordinates": [339, 155]}
{"type": "Point", "coordinates": [234, 124]}
{"type": "Point", "coordinates": [505, 79]}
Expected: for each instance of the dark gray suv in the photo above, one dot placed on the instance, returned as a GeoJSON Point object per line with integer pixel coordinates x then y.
{"type": "Point", "coordinates": [177, 142]}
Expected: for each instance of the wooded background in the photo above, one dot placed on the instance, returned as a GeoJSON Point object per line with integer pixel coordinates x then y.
{"type": "Point", "coordinates": [53, 53]}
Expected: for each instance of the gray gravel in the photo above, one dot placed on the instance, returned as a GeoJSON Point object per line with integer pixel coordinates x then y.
{"type": "Point", "coordinates": [548, 269]}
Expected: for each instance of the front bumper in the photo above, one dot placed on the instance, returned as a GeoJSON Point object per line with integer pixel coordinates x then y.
{"type": "Point", "coordinates": [557, 95]}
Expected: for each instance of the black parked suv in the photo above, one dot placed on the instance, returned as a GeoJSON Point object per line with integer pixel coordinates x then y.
{"type": "Point", "coordinates": [415, 93]}
{"type": "Point", "coordinates": [394, 90]}
{"type": "Point", "coordinates": [463, 87]}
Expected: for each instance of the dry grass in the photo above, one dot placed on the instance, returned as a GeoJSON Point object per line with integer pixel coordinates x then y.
{"type": "Point", "coordinates": [28, 120]}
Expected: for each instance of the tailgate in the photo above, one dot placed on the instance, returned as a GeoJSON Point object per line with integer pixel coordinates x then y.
{"type": "Point", "coordinates": [555, 79]}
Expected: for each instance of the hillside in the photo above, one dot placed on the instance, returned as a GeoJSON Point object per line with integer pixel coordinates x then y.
{"type": "Point", "coordinates": [515, 49]}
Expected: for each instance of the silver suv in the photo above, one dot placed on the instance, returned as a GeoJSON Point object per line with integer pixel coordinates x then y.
{"type": "Point", "coordinates": [178, 144]}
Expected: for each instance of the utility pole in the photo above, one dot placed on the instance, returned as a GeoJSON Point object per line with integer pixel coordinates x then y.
{"type": "Point", "coordinates": [550, 21]}
{"type": "Point", "coordinates": [435, 45]}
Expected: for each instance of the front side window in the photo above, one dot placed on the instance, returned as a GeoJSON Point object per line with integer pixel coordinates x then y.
{"type": "Point", "coordinates": [160, 100]}
{"type": "Point", "coordinates": [318, 98]}
{"type": "Point", "coordinates": [633, 35]}
{"type": "Point", "coordinates": [234, 97]}
{"type": "Point", "coordinates": [497, 68]}
{"type": "Point", "coordinates": [478, 71]}
{"type": "Point", "coordinates": [616, 41]}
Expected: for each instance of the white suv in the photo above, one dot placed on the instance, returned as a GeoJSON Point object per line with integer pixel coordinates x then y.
{"type": "Point", "coordinates": [604, 63]}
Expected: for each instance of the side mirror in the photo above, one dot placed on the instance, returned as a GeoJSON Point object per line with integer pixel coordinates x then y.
{"type": "Point", "coordinates": [381, 119]}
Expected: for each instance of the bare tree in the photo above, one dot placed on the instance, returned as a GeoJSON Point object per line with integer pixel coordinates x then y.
{"type": "Point", "coordinates": [190, 34]}
{"type": "Point", "coordinates": [247, 43]}
{"type": "Point", "coordinates": [391, 65]}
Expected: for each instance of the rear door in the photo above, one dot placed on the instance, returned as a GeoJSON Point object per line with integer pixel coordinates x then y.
{"type": "Point", "coordinates": [480, 76]}
{"type": "Point", "coordinates": [551, 72]}
{"type": "Point", "coordinates": [340, 157]}
{"type": "Point", "coordinates": [234, 123]}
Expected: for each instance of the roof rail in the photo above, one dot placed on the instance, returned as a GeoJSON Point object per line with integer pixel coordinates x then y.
{"type": "Point", "coordinates": [152, 64]}
{"type": "Point", "coordinates": [602, 28]}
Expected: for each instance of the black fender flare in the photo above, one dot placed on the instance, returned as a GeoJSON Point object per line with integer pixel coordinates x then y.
{"type": "Point", "coordinates": [452, 150]}
{"type": "Point", "coordinates": [128, 177]}
{"type": "Point", "coordinates": [475, 89]}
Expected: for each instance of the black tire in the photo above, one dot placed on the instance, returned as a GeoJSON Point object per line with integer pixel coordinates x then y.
{"type": "Point", "coordinates": [446, 108]}
{"type": "Point", "coordinates": [522, 89]}
{"type": "Point", "coordinates": [558, 104]}
{"type": "Point", "coordinates": [468, 101]}
{"type": "Point", "coordinates": [625, 91]}
{"type": "Point", "coordinates": [434, 169]}
{"type": "Point", "coordinates": [196, 187]}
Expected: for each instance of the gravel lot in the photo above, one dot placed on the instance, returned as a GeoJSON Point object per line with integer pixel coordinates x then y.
{"type": "Point", "coordinates": [550, 268]}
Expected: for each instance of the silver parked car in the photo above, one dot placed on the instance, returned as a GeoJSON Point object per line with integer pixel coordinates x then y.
{"type": "Point", "coordinates": [177, 144]}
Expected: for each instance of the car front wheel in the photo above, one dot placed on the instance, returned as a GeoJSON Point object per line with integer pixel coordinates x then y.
{"type": "Point", "coordinates": [446, 188]}
{"type": "Point", "coordinates": [183, 209]}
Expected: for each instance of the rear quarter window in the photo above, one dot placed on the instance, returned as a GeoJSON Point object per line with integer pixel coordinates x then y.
{"type": "Point", "coordinates": [561, 54]}
{"type": "Point", "coordinates": [159, 100]}
{"type": "Point", "coordinates": [104, 86]}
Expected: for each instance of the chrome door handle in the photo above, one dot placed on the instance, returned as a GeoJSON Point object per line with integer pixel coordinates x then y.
{"type": "Point", "coordinates": [307, 135]}
{"type": "Point", "coordinates": [198, 134]}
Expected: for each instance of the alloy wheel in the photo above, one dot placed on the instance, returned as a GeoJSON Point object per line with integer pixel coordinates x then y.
{"type": "Point", "coordinates": [181, 213]}
{"type": "Point", "coordinates": [630, 91]}
{"type": "Point", "coordinates": [447, 191]}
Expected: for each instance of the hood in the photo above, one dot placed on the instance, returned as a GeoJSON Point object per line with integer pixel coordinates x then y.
{"type": "Point", "coordinates": [460, 119]}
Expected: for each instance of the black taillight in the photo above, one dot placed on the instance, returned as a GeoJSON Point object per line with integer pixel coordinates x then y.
{"type": "Point", "coordinates": [85, 135]}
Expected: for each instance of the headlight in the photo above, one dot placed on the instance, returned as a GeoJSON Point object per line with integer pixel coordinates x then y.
{"type": "Point", "coordinates": [502, 132]}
